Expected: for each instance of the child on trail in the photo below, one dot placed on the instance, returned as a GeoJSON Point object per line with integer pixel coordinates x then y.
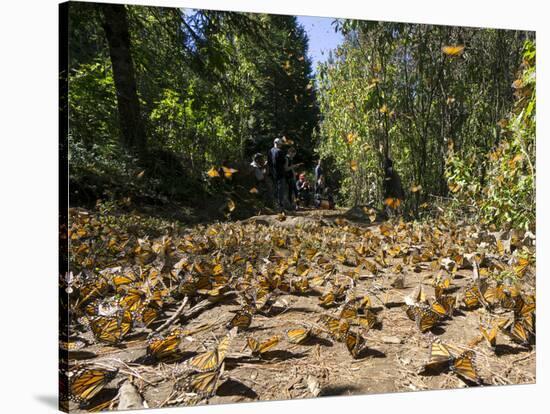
{"type": "Point", "coordinates": [303, 189]}
{"type": "Point", "coordinates": [276, 161]}
{"type": "Point", "coordinates": [258, 166]}
{"type": "Point", "coordinates": [262, 185]}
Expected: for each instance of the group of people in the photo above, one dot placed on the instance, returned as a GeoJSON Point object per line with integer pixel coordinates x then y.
{"type": "Point", "coordinates": [278, 177]}
{"type": "Point", "coordinates": [290, 188]}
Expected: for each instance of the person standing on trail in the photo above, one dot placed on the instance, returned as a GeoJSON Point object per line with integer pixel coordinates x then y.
{"type": "Point", "coordinates": [263, 186]}
{"type": "Point", "coordinates": [276, 162]}
{"type": "Point", "coordinates": [393, 189]}
{"type": "Point", "coordinates": [290, 174]}
{"type": "Point", "coordinates": [318, 173]}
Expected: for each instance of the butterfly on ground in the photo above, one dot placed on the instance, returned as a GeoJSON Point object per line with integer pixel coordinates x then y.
{"type": "Point", "coordinates": [71, 345]}
{"type": "Point", "coordinates": [349, 310]}
{"type": "Point", "coordinates": [464, 366]}
{"type": "Point", "coordinates": [444, 305]}
{"type": "Point", "coordinates": [205, 384]}
{"type": "Point", "coordinates": [242, 319]}
{"type": "Point", "coordinates": [473, 296]}
{"type": "Point", "coordinates": [298, 335]}
{"type": "Point", "coordinates": [423, 316]}
{"type": "Point", "coordinates": [327, 299]}
{"type": "Point", "coordinates": [524, 310]}
{"type": "Point", "coordinates": [495, 295]}
{"type": "Point", "coordinates": [211, 360]}
{"type": "Point", "coordinates": [517, 331]}
{"type": "Point", "coordinates": [490, 335]}
{"type": "Point", "coordinates": [146, 315]}
{"type": "Point", "coordinates": [112, 329]}
{"type": "Point", "coordinates": [355, 343]}
{"type": "Point", "coordinates": [259, 348]}
{"type": "Point", "coordinates": [133, 299]}
{"type": "Point", "coordinates": [440, 356]}
{"type": "Point", "coordinates": [87, 383]}
{"type": "Point", "coordinates": [337, 328]}
{"type": "Point", "coordinates": [163, 348]}
{"type": "Point", "coordinates": [368, 320]}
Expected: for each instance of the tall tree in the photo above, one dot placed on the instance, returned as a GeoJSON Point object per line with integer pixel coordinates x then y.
{"type": "Point", "coordinates": [118, 37]}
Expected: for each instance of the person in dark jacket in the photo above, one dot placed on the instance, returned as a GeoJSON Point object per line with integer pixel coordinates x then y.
{"type": "Point", "coordinates": [276, 162]}
{"type": "Point", "coordinates": [290, 168]}
{"type": "Point", "coordinates": [393, 189]}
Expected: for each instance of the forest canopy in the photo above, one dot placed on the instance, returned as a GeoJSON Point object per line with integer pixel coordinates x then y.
{"type": "Point", "coordinates": [453, 107]}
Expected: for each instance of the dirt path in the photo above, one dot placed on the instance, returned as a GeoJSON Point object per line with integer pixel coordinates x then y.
{"type": "Point", "coordinates": [395, 353]}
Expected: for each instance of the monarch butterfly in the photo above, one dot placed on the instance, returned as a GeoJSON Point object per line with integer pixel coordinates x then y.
{"type": "Point", "coordinates": [507, 302]}
{"type": "Point", "coordinates": [464, 366]}
{"type": "Point", "coordinates": [349, 311]}
{"type": "Point", "coordinates": [133, 299]}
{"type": "Point", "coordinates": [417, 296]}
{"type": "Point", "coordinates": [212, 293]}
{"type": "Point", "coordinates": [523, 308]}
{"type": "Point", "coordinates": [259, 348]}
{"type": "Point", "coordinates": [228, 172]}
{"type": "Point", "coordinates": [121, 280]}
{"type": "Point", "coordinates": [355, 343]}
{"type": "Point", "coordinates": [162, 348]}
{"type": "Point", "coordinates": [439, 355]}
{"type": "Point", "coordinates": [211, 360]}
{"type": "Point", "coordinates": [300, 284]}
{"type": "Point", "coordinates": [85, 384]}
{"type": "Point", "coordinates": [426, 319]}
{"type": "Point", "coordinates": [261, 299]}
{"type": "Point", "coordinates": [94, 289]}
{"type": "Point", "coordinates": [368, 321]}
{"type": "Point", "coordinates": [441, 287]}
{"type": "Point", "coordinates": [411, 311]}
{"type": "Point", "coordinates": [111, 329]}
{"type": "Point", "coordinates": [71, 345]}
{"type": "Point", "coordinates": [473, 296]}
{"type": "Point", "coordinates": [148, 315]}
{"type": "Point", "coordinates": [338, 328]}
{"type": "Point", "coordinates": [92, 309]}
{"type": "Point", "coordinates": [241, 320]}
{"type": "Point", "coordinates": [317, 280]}
{"type": "Point", "coordinates": [298, 335]}
{"type": "Point", "coordinates": [494, 295]}
{"type": "Point", "coordinates": [364, 303]}
{"type": "Point", "coordinates": [521, 267]}
{"type": "Point", "coordinates": [452, 51]}
{"type": "Point", "coordinates": [327, 299]}
{"type": "Point", "coordinates": [518, 332]}
{"type": "Point", "coordinates": [444, 305]}
{"type": "Point", "coordinates": [490, 336]}
{"type": "Point", "coordinates": [392, 202]}
{"type": "Point", "coordinates": [524, 312]}
{"type": "Point", "coordinates": [204, 384]}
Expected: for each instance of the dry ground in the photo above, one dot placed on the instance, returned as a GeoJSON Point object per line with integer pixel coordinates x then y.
{"type": "Point", "coordinates": [392, 362]}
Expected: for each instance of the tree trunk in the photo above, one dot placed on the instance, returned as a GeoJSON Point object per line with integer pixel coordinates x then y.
{"type": "Point", "coordinates": [116, 29]}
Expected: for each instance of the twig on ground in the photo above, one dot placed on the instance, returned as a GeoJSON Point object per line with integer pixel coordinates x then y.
{"type": "Point", "coordinates": [171, 320]}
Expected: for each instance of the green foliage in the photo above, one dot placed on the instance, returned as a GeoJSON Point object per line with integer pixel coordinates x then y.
{"type": "Point", "coordinates": [214, 87]}
{"type": "Point", "coordinates": [509, 195]}
{"type": "Point", "coordinates": [396, 93]}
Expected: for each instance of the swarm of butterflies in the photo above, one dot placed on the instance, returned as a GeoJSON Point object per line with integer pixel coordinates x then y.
{"type": "Point", "coordinates": [123, 286]}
